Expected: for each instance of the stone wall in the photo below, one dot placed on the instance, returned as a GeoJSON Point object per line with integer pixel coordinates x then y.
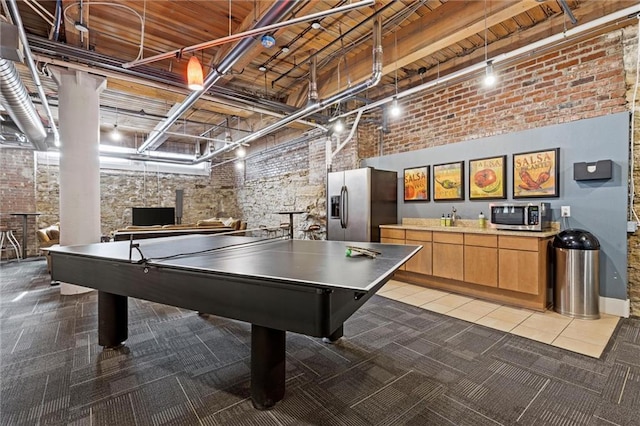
{"type": "Point", "coordinates": [204, 197]}
{"type": "Point", "coordinates": [631, 70]}
{"type": "Point", "coordinates": [288, 177]}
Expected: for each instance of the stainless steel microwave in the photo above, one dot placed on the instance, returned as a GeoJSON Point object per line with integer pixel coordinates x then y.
{"type": "Point", "coordinates": [520, 216]}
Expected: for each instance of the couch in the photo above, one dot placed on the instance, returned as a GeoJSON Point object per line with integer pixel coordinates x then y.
{"type": "Point", "coordinates": [48, 237]}
{"type": "Point", "coordinates": [204, 226]}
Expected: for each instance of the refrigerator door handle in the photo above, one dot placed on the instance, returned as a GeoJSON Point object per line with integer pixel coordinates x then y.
{"type": "Point", "coordinates": [342, 225]}
{"type": "Point", "coordinates": [345, 207]}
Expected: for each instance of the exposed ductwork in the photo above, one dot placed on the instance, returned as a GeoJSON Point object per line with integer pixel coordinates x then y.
{"type": "Point", "coordinates": [278, 11]}
{"type": "Point", "coordinates": [319, 105]}
{"type": "Point", "coordinates": [16, 100]}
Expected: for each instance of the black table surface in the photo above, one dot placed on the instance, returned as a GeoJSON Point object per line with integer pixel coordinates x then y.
{"type": "Point", "coordinates": [316, 263]}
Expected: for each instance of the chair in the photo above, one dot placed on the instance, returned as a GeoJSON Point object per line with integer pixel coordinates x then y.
{"type": "Point", "coordinates": [270, 232]}
{"type": "Point", "coordinates": [6, 233]}
{"type": "Point", "coordinates": [311, 232]}
{"type": "Point", "coordinates": [284, 228]}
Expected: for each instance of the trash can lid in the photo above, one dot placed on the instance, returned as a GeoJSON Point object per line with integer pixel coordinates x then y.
{"type": "Point", "coordinates": [577, 239]}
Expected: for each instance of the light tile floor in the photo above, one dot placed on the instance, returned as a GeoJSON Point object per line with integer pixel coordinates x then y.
{"type": "Point", "coordinates": [587, 337]}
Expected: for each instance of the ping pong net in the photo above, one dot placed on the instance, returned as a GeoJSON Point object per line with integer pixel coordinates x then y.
{"type": "Point", "coordinates": [242, 241]}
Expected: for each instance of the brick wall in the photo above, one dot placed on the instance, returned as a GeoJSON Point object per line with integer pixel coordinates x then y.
{"type": "Point", "coordinates": [17, 189]}
{"type": "Point", "coordinates": [582, 81]}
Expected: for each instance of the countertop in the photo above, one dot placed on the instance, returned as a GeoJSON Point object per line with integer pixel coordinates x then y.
{"type": "Point", "coordinates": [466, 226]}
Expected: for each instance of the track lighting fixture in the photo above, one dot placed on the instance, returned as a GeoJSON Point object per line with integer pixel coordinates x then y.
{"type": "Point", "coordinates": [241, 152]}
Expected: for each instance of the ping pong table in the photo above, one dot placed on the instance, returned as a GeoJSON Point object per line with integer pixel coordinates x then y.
{"type": "Point", "coordinates": [277, 285]}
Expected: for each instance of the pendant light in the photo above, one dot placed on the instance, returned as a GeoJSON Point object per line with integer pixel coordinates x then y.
{"type": "Point", "coordinates": [490, 77]}
{"type": "Point", "coordinates": [195, 79]}
{"type": "Point", "coordinates": [115, 134]}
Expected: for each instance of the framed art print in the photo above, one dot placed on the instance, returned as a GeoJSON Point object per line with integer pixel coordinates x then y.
{"type": "Point", "coordinates": [487, 178]}
{"type": "Point", "coordinates": [536, 174]}
{"type": "Point", "coordinates": [416, 184]}
{"type": "Point", "coordinates": [448, 181]}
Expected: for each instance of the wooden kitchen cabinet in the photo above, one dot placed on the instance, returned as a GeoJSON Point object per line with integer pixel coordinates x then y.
{"type": "Point", "coordinates": [421, 263]}
{"type": "Point", "coordinates": [448, 255]}
{"type": "Point", "coordinates": [501, 266]}
{"type": "Point", "coordinates": [481, 259]}
{"type": "Point", "coordinates": [392, 236]}
{"type": "Point", "coordinates": [522, 264]}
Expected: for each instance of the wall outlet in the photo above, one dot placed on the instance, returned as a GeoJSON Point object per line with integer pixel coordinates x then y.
{"type": "Point", "coordinates": [565, 211]}
{"type": "Point", "coordinates": [632, 226]}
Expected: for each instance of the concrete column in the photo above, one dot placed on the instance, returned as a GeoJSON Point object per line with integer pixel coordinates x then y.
{"type": "Point", "coordinates": [79, 124]}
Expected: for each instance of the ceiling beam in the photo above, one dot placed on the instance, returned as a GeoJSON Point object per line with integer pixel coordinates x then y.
{"type": "Point", "coordinates": [448, 24]}
{"type": "Point", "coordinates": [587, 12]}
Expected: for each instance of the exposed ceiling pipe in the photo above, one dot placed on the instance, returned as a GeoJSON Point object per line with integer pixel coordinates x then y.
{"type": "Point", "coordinates": [15, 15]}
{"type": "Point", "coordinates": [322, 104]}
{"type": "Point", "coordinates": [348, 138]}
{"type": "Point", "coordinates": [526, 51]}
{"type": "Point", "coordinates": [89, 62]}
{"type": "Point", "coordinates": [567, 11]}
{"type": "Point", "coordinates": [617, 17]}
{"type": "Point", "coordinates": [313, 78]}
{"type": "Point", "coordinates": [342, 37]}
{"type": "Point", "coordinates": [278, 11]}
{"type": "Point", "coordinates": [253, 32]}
{"type": "Point", "coordinates": [16, 100]}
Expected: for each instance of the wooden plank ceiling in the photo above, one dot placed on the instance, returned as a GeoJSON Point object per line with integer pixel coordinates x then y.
{"type": "Point", "coordinates": [420, 40]}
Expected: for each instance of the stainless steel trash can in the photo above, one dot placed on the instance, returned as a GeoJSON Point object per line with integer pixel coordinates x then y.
{"type": "Point", "coordinates": [577, 280]}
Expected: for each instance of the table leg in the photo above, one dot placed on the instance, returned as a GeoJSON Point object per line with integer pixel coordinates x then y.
{"type": "Point", "coordinates": [291, 226]}
{"type": "Point", "coordinates": [267, 366]}
{"type": "Point", "coordinates": [113, 316]}
{"type": "Point", "coordinates": [336, 335]}
{"type": "Point", "coordinates": [24, 236]}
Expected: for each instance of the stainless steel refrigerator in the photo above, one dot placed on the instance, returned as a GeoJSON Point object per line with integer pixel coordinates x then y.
{"type": "Point", "coordinates": [359, 201]}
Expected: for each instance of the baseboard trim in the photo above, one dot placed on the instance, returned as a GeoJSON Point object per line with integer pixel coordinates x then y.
{"type": "Point", "coordinates": [617, 307]}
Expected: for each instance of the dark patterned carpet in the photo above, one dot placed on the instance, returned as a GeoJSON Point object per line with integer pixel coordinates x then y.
{"type": "Point", "coordinates": [397, 365]}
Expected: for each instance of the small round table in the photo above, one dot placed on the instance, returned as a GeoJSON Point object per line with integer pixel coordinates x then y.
{"type": "Point", "coordinates": [291, 213]}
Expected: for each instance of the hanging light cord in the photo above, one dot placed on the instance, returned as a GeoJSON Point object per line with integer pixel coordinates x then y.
{"type": "Point", "coordinates": [395, 37]}
{"type": "Point", "coordinates": [485, 32]}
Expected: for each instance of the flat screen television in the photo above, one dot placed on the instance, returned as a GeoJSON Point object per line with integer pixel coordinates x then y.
{"type": "Point", "coordinates": [145, 216]}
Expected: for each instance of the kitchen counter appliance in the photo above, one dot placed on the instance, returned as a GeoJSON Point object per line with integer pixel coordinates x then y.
{"type": "Point", "coordinates": [359, 201]}
{"type": "Point", "coordinates": [520, 216]}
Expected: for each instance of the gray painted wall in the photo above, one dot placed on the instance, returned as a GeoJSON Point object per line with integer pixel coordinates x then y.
{"type": "Point", "coordinates": [599, 207]}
